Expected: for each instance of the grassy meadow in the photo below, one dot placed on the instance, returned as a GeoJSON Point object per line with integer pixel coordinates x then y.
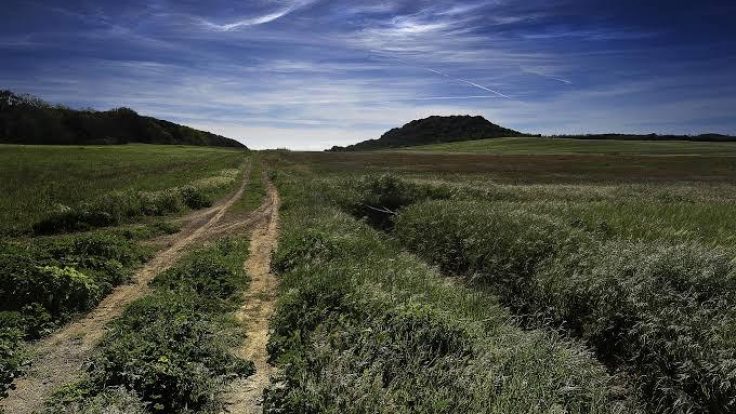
{"type": "Point", "coordinates": [36, 180]}
{"type": "Point", "coordinates": [624, 261]}
{"type": "Point", "coordinates": [535, 280]}
{"type": "Point", "coordinates": [569, 146]}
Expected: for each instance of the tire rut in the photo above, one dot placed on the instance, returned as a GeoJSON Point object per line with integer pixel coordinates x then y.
{"type": "Point", "coordinates": [245, 395]}
{"type": "Point", "coordinates": [59, 358]}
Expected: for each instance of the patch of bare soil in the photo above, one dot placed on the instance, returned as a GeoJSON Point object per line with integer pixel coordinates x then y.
{"type": "Point", "coordinates": [245, 396]}
{"type": "Point", "coordinates": [58, 359]}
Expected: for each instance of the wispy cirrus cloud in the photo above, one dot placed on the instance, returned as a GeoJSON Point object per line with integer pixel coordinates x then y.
{"type": "Point", "coordinates": [315, 73]}
{"type": "Point", "coordinates": [289, 8]}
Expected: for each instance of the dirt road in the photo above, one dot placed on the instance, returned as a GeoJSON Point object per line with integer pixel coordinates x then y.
{"type": "Point", "coordinates": [258, 306]}
{"type": "Point", "coordinates": [58, 358]}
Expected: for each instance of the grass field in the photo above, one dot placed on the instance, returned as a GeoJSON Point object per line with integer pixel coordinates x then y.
{"type": "Point", "coordinates": [410, 281]}
{"type": "Point", "coordinates": [531, 169]}
{"type": "Point", "coordinates": [569, 146]}
{"type": "Point", "coordinates": [628, 256]}
{"type": "Point", "coordinates": [35, 180]}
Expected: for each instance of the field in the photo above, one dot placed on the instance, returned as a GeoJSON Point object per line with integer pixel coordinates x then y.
{"type": "Point", "coordinates": [521, 278]}
{"type": "Point", "coordinates": [568, 146]}
{"type": "Point", "coordinates": [35, 180]}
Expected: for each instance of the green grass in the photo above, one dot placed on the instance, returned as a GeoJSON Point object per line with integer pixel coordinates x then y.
{"type": "Point", "coordinates": [568, 146]}
{"type": "Point", "coordinates": [363, 327]}
{"type": "Point", "coordinates": [658, 309]}
{"type": "Point", "coordinates": [46, 281]}
{"type": "Point", "coordinates": [255, 191]}
{"type": "Point", "coordinates": [522, 169]}
{"type": "Point", "coordinates": [661, 312]}
{"type": "Point", "coordinates": [36, 180]}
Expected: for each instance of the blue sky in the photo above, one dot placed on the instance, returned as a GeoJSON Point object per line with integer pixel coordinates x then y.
{"type": "Point", "coordinates": [309, 74]}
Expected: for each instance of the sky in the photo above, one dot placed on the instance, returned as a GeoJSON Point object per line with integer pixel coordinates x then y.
{"type": "Point", "coordinates": [310, 74]}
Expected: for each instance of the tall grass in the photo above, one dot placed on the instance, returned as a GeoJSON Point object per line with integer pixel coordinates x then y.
{"type": "Point", "coordinates": [361, 327]}
{"type": "Point", "coordinates": [117, 207]}
{"type": "Point", "coordinates": [661, 312]}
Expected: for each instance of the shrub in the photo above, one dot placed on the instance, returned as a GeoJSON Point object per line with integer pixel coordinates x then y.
{"type": "Point", "coordinates": [169, 353]}
{"type": "Point", "coordinates": [43, 284]}
{"type": "Point", "coordinates": [378, 197]}
{"type": "Point", "coordinates": [12, 355]}
{"type": "Point", "coordinates": [194, 197]}
{"type": "Point", "coordinates": [116, 207]}
{"type": "Point", "coordinates": [57, 289]}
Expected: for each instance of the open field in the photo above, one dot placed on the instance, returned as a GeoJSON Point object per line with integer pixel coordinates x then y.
{"type": "Point", "coordinates": [408, 282]}
{"type": "Point", "coordinates": [35, 180]}
{"type": "Point", "coordinates": [568, 146]}
{"type": "Point", "coordinates": [573, 169]}
{"type": "Point", "coordinates": [632, 261]}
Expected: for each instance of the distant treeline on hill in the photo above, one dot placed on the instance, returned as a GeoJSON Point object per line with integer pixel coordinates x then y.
{"type": "Point", "coordinates": [435, 130]}
{"type": "Point", "coordinates": [25, 119]}
{"type": "Point", "coordinates": [443, 129]}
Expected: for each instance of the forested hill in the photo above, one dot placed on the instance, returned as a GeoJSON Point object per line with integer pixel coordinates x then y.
{"type": "Point", "coordinates": [26, 119]}
{"type": "Point", "coordinates": [435, 130]}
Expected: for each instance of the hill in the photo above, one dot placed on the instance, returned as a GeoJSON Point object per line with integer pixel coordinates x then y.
{"type": "Point", "coordinates": [435, 130]}
{"type": "Point", "coordinates": [25, 119]}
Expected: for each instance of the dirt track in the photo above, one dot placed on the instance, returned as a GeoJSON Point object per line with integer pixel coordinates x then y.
{"type": "Point", "coordinates": [245, 395]}
{"type": "Point", "coordinates": [58, 358]}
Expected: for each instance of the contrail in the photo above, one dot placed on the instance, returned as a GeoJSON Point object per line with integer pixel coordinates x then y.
{"type": "Point", "coordinates": [443, 74]}
{"type": "Point", "coordinates": [540, 74]}
{"type": "Point", "coordinates": [471, 83]}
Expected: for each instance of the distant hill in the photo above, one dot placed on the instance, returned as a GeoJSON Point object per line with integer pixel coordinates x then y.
{"type": "Point", "coordinates": [25, 119]}
{"type": "Point", "coordinates": [435, 130]}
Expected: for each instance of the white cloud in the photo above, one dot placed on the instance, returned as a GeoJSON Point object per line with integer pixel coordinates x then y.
{"type": "Point", "coordinates": [258, 20]}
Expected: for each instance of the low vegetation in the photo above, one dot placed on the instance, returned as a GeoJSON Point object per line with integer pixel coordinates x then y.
{"type": "Point", "coordinates": [170, 351]}
{"type": "Point", "coordinates": [566, 146]}
{"type": "Point", "coordinates": [45, 282]}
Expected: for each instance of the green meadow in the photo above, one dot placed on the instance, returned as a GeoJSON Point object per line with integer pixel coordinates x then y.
{"type": "Point", "coordinates": [567, 146]}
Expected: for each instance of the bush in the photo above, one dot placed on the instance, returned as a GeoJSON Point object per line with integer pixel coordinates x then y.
{"type": "Point", "coordinates": [194, 197]}
{"type": "Point", "coordinates": [12, 355]}
{"type": "Point", "coordinates": [169, 353]}
{"type": "Point", "coordinates": [57, 289]}
{"type": "Point", "coordinates": [77, 399]}
{"type": "Point", "coordinates": [378, 197]}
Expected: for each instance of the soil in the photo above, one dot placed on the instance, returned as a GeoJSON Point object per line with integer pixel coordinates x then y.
{"type": "Point", "coordinates": [245, 396]}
